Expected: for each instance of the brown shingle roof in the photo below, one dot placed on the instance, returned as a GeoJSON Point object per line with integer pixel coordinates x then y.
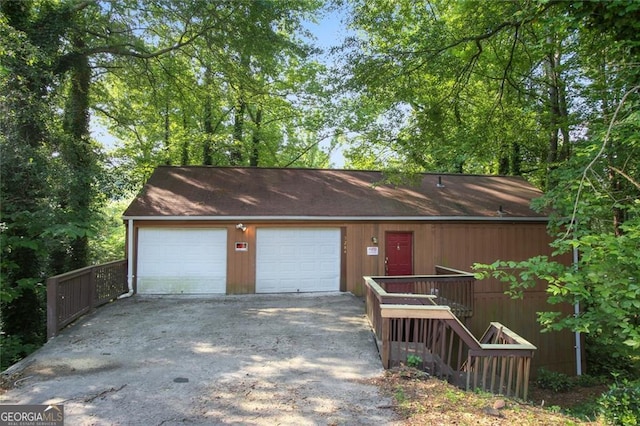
{"type": "Point", "coordinates": [236, 192]}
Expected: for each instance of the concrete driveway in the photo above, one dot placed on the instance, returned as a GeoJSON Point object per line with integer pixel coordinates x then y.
{"type": "Point", "coordinates": [250, 360]}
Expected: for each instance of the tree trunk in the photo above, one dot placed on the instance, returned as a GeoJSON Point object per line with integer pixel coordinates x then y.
{"type": "Point", "coordinates": [184, 158]}
{"type": "Point", "coordinates": [515, 160]}
{"type": "Point", "coordinates": [564, 119]}
{"type": "Point", "coordinates": [255, 140]}
{"type": "Point", "coordinates": [235, 152]}
{"type": "Point", "coordinates": [79, 155]}
{"type": "Point", "coordinates": [207, 149]}
{"type": "Point", "coordinates": [166, 137]}
{"type": "Point", "coordinates": [557, 109]}
{"type": "Point", "coordinates": [503, 162]}
{"type": "Point", "coordinates": [553, 109]}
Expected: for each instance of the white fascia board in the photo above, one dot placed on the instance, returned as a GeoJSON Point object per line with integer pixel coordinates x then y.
{"type": "Point", "coordinates": [341, 218]}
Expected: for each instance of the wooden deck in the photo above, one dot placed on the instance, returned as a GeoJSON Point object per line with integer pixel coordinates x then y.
{"type": "Point", "coordinates": [430, 327]}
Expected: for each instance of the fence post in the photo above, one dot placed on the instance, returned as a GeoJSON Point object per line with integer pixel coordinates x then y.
{"type": "Point", "coordinates": [52, 307]}
{"type": "Point", "coordinates": [468, 371]}
{"type": "Point", "coordinates": [92, 288]}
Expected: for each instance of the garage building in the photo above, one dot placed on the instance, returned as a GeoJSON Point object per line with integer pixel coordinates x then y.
{"type": "Point", "coordinates": [233, 230]}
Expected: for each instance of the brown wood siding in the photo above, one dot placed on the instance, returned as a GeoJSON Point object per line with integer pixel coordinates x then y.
{"type": "Point", "coordinates": [241, 265]}
{"type": "Point", "coordinates": [455, 245]}
{"type": "Point", "coordinates": [343, 258]}
{"type": "Point", "coordinates": [555, 349]}
{"type": "Point", "coordinates": [461, 245]}
{"type": "Point", "coordinates": [359, 237]}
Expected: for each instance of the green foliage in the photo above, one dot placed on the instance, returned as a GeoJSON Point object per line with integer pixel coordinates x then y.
{"type": "Point", "coordinates": [587, 380]}
{"type": "Point", "coordinates": [454, 395]}
{"type": "Point", "coordinates": [244, 92]}
{"type": "Point", "coordinates": [108, 244]}
{"type": "Point", "coordinates": [610, 359]}
{"type": "Point", "coordinates": [587, 410]}
{"type": "Point", "coordinates": [620, 405]}
{"type": "Point", "coordinates": [13, 350]}
{"type": "Point", "coordinates": [450, 86]}
{"type": "Point", "coordinates": [604, 282]}
{"type": "Point", "coordinates": [400, 396]}
{"type": "Point", "coordinates": [557, 382]}
{"type": "Point", "coordinates": [595, 214]}
{"type": "Point", "coordinates": [414, 361]}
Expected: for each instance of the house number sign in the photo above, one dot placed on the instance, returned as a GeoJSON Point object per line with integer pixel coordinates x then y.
{"type": "Point", "coordinates": [242, 246]}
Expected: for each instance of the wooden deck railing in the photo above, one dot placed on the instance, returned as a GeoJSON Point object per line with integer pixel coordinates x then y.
{"type": "Point", "coordinates": [416, 325]}
{"type": "Point", "coordinates": [450, 287]}
{"type": "Point", "coordinates": [75, 293]}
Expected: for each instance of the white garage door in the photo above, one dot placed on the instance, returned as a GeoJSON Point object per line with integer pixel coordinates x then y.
{"type": "Point", "coordinates": [182, 261]}
{"type": "Point", "coordinates": [297, 260]}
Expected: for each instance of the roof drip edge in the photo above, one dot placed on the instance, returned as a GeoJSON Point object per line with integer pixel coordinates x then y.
{"type": "Point", "coordinates": [343, 218]}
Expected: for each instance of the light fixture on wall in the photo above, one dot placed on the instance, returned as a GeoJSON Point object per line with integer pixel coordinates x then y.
{"type": "Point", "coordinates": [241, 227]}
{"type": "Point", "coordinates": [374, 240]}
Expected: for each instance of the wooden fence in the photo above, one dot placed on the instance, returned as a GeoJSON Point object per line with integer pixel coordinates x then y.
{"type": "Point", "coordinates": [416, 325]}
{"type": "Point", "coordinates": [75, 293]}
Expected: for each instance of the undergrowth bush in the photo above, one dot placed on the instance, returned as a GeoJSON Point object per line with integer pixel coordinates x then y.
{"type": "Point", "coordinates": [620, 405]}
{"type": "Point", "coordinates": [414, 361]}
{"type": "Point", "coordinates": [609, 359]}
{"type": "Point", "coordinates": [557, 382]}
{"type": "Point", "coordinates": [12, 350]}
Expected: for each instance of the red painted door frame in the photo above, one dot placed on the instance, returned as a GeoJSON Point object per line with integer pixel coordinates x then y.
{"type": "Point", "coordinates": [398, 253]}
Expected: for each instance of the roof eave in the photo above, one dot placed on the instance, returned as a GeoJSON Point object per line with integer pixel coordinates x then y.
{"type": "Point", "coordinates": [504, 218]}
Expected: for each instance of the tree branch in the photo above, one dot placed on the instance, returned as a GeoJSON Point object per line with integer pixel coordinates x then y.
{"type": "Point", "coordinates": [505, 76]}
{"type": "Point", "coordinates": [598, 155]}
{"type": "Point", "coordinates": [626, 176]}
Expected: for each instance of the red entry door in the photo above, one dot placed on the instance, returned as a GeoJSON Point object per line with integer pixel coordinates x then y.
{"type": "Point", "coordinates": [398, 253]}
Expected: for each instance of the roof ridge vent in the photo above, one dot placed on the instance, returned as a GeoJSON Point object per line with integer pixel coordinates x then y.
{"type": "Point", "coordinates": [440, 184]}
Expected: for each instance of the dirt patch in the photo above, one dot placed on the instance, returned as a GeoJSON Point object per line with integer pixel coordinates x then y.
{"type": "Point", "coordinates": [60, 368]}
{"type": "Point", "coordinates": [577, 396]}
{"type": "Point", "coordinates": [420, 399]}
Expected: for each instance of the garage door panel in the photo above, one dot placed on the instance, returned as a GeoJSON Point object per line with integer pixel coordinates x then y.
{"type": "Point", "coordinates": [297, 260]}
{"type": "Point", "coordinates": [182, 261]}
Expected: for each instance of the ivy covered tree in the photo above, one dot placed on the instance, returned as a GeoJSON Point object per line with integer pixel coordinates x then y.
{"type": "Point", "coordinates": [27, 72]}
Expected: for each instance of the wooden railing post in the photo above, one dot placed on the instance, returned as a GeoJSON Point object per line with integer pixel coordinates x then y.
{"type": "Point", "coordinates": [52, 307]}
{"type": "Point", "coordinates": [386, 344]}
{"type": "Point", "coordinates": [92, 288]}
{"type": "Point", "coordinates": [527, 368]}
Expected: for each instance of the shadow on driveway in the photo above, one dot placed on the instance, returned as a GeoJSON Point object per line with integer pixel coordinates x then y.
{"type": "Point", "coordinates": [252, 360]}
